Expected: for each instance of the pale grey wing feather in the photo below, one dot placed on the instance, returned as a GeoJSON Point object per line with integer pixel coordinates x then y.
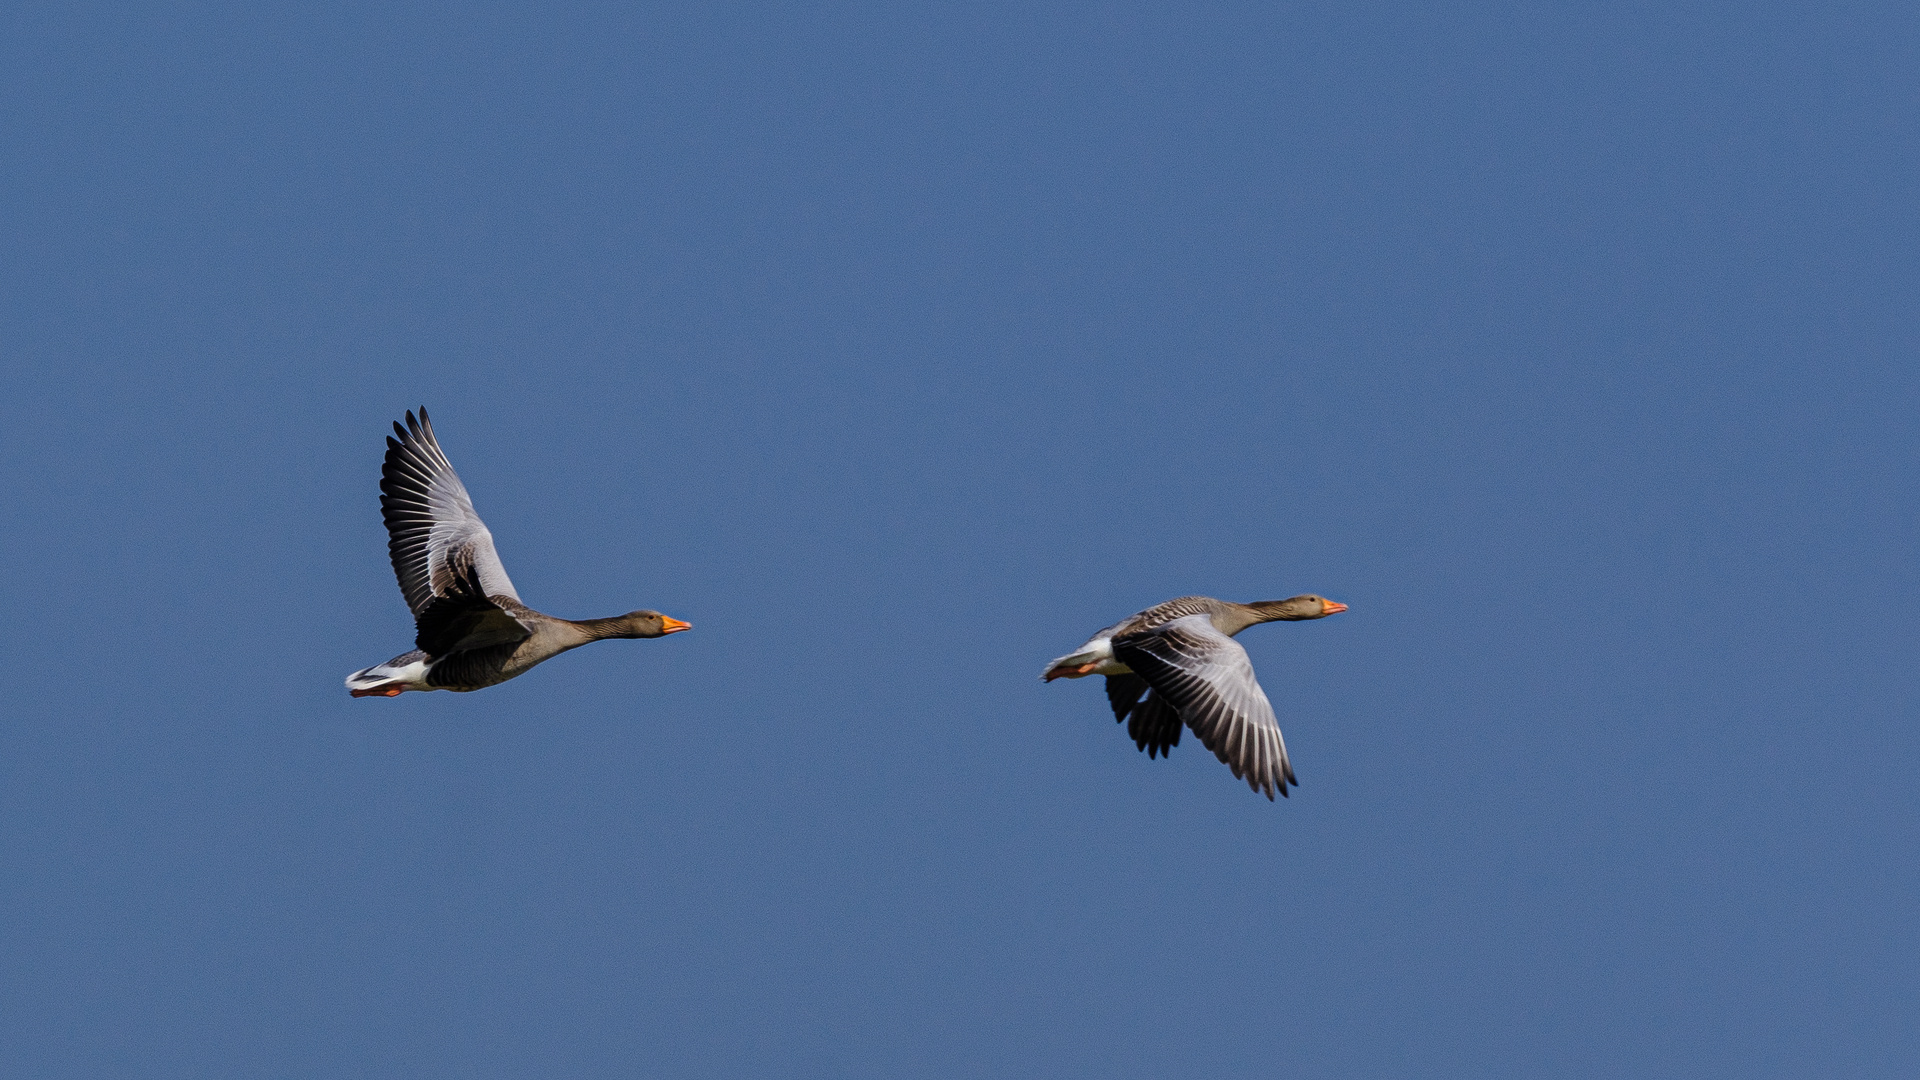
{"type": "Point", "coordinates": [1208, 679]}
{"type": "Point", "coordinates": [439, 545]}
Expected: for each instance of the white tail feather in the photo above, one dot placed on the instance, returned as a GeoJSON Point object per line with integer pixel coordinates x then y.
{"type": "Point", "coordinates": [413, 675]}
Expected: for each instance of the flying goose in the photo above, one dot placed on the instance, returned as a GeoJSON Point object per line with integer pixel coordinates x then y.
{"type": "Point", "coordinates": [471, 628]}
{"type": "Point", "coordinates": [1182, 655]}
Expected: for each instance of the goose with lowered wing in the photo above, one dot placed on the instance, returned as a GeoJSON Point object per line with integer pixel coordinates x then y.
{"type": "Point", "coordinates": [1182, 656]}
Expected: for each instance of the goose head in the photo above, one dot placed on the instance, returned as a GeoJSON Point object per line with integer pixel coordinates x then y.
{"type": "Point", "coordinates": [1293, 609]}
{"type": "Point", "coordinates": [647, 623]}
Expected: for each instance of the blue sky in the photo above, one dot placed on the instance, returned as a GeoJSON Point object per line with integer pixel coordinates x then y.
{"type": "Point", "coordinates": [897, 349]}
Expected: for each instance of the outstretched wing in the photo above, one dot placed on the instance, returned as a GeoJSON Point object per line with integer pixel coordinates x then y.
{"type": "Point", "coordinates": [439, 545]}
{"type": "Point", "coordinates": [1207, 678]}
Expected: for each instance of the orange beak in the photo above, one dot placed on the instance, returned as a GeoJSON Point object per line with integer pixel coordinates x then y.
{"type": "Point", "coordinates": [1329, 607]}
{"type": "Point", "coordinates": [673, 626]}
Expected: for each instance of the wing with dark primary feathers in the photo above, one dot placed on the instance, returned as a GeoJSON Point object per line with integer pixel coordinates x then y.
{"type": "Point", "coordinates": [1155, 727]}
{"type": "Point", "coordinates": [1207, 678]}
{"type": "Point", "coordinates": [1123, 692]}
{"type": "Point", "coordinates": [439, 545]}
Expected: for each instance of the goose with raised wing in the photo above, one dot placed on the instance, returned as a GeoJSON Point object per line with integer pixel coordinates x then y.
{"type": "Point", "coordinates": [1182, 656]}
{"type": "Point", "coordinates": [471, 630]}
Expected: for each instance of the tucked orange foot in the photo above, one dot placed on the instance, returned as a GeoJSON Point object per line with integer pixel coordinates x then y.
{"type": "Point", "coordinates": [391, 691]}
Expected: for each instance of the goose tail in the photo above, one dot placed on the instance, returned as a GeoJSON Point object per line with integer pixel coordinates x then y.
{"type": "Point", "coordinates": [407, 672]}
